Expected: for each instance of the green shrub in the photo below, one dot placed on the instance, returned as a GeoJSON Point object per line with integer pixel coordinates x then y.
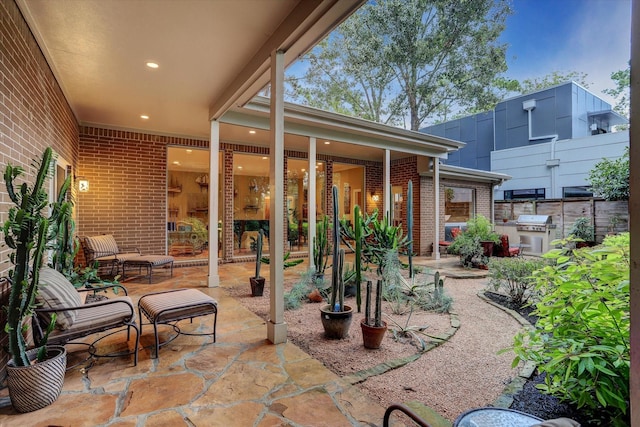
{"type": "Point", "coordinates": [581, 339]}
{"type": "Point", "coordinates": [302, 288]}
{"type": "Point", "coordinates": [514, 277]}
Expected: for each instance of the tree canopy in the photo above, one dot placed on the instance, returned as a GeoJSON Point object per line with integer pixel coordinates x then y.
{"type": "Point", "coordinates": [622, 81]}
{"type": "Point", "coordinates": [610, 178]}
{"type": "Point", "coordinates": [408, 59]}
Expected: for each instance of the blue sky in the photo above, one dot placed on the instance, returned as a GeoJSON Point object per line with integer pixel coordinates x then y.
{"type": "Point", "coordinates": [590, 36]}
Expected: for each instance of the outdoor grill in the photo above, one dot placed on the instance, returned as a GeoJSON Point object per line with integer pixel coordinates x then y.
{"type": "Point", "coordinates": [534, 232]}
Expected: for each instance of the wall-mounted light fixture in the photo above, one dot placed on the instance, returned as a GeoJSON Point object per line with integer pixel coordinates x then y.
{"type": "Point", "coordinates": [83, 185]}
{"type": "Point", "coordinates": [374, 196]}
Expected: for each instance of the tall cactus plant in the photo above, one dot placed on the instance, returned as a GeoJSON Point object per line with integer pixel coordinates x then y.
{"type": "Point", "coordinates": [357, 225]}
{"type": "Point", "coordinates": [410, 225]}
{"type": "Point", "coordinates": [258, 253]}
{"type": "Point", "coordinates": [321, 247]}
{"type": "Point", "coordinates": [336, 273]}
{"type": "Point", "coordinates": [27, 232]}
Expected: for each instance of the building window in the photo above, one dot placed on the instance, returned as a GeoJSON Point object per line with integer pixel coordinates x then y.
{"type": "Point", "coordinates": [532, 193]}
{"type": "Point", "coordinates": [459, 204]}
{"type": "Point", "coordinates": [577, 192]}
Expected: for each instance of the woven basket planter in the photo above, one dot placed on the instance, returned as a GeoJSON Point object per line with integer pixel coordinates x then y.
{"type": "Point", "coordinates": [36, 386]}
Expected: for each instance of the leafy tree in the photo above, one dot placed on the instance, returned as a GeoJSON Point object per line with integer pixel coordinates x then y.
{"type": "Point", "coordinates": [417, 58]}
{"type": "Point", "coordinates": [622, 80]}
{"type": "Point", "coordinates": [553, 79]}
{"type": "Point", "coordinates": [610, 178]}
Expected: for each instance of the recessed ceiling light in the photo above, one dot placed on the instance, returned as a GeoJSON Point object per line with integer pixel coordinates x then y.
{"type": "Point", "coordinates": [153, 65]}
{"type": "Point", "coordinates": [189, 151]}
{"type": "Point", "coordinates": [265, 158]}
{"type": "Point", "coordinates": [303, 170]}
{"type": "Point", "coordinates": [144, 117]}
{"type": "Point", "coordinates": [175, 162]}
{"type": "Point", "coordinates": [319, 163]}
{"type": "Point", "coordinates": [327, 143]}
{"type": "Point", "coordinates": [239, 167]}
{"type": "Point", "coordinates": [252, 132]}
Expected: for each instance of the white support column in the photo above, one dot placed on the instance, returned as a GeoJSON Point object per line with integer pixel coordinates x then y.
{"type": "Point", "coordinates": [436, 208]}
{"type": "Point", "coordinates": [276, 327]}
{"type": "Point", "coordinates": [311, 199]}
{"type": "Point", "coordinates": [214, 171]}
{"type": "Point", "coordinates": [386, 178]}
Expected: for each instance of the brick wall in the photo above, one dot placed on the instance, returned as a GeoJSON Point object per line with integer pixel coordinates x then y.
{"type": "Point", "coordinates": [34, 114]}
{"type": "Point", "coordinates": [127, 185]}
{"type": "Point", "coordinates": [127, 197]}
{"type": "Point", "coordinates": [402, 171]}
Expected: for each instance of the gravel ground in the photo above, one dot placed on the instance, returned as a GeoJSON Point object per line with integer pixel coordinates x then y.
{"type": "Point", "coordinates": [461, 374]}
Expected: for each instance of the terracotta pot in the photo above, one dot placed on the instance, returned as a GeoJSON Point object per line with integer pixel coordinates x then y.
{"type": "Point", "coordinates": [372, 335]}
{"type": "Point", "coordinates": [36, 386]}
{"type": "Point", "coordinates": [257, 286]}
{"type": "Point", "coordinates": [336, 324]}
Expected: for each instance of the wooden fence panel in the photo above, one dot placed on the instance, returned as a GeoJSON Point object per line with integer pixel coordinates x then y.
{"type": "Point", "coordinates": [606, 216]}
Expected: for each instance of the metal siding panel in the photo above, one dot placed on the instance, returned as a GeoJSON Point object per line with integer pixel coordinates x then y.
{"type": "Point", "coordinates": [500, 129]}
{"type": "Point", "coordinates": [517, 137]}
{"type": "Point", "coordinates": [452, 131]}
{"type": "Point", "coordinates": [484, 163]}
{"type": "Point", "coordinates": [564, 125]}
{"type": "Point", "coordinates": [468, 128]}
{"type": "Point", "coordinates": [543, 117]}
{"type": "Point", "coordinates": [563, 100]}
{"type": "Point", "coordinates": [437, 130]}
{"type": "Point", "coordinates": [454, 158]}
{"type": "Point", "coordinates": [469, 155]}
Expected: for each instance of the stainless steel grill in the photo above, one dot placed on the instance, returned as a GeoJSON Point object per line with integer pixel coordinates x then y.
{"type": "Point", "coordinates": [534, 232]}
{"type": "Point", "coordinates": [533, 222]}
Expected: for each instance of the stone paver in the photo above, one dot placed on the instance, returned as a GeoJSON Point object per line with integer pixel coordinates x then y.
{"type": "Point", "coordinates": [240, 380]}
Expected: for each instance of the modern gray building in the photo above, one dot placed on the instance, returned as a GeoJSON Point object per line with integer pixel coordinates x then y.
{"type": "Point", "coordinates": [547, 141]}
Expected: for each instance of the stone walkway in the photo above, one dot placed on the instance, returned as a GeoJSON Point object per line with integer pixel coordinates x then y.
{"type": "Point", "coordinates": [242, 380]}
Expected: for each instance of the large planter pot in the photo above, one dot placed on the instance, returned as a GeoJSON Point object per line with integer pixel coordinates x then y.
{"type": "Point", "coordinates": [36, 386]}
{"type": "Point", "coordinates": [336, 324]}
{"type": "Point", "coordinates": [487, 247]}
{"type": "Point", "coordinates": [372, 335]}
{"type": "Point", "coordinates": [257, 286]}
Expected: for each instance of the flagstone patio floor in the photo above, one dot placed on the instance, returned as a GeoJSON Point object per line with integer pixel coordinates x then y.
{"type": "Point", "coordinates": [241, 380]}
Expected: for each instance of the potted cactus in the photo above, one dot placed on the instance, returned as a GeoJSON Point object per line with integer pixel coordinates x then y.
{"type": "Point", "coordinates": [373, 327]}
{"type": "Point", "coordinates": [35, 376]}
{"type": "Point", "coordinates": [321, 248]}
{"type": "Point", "coordinates": [336, 316]}
{"type": "Point", "coordinates": [257, 282]}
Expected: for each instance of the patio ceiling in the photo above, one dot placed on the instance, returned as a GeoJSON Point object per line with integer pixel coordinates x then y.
{"type": "Point", "coordinates": [212, 54]}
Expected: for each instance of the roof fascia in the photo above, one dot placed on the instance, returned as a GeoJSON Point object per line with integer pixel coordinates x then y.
{"type": "Point", "coordinates": [477, 175]}
{"type": "Point", "coordinates": [308, 22]}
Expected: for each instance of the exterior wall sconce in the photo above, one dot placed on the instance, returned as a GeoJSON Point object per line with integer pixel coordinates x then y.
{"type": "Point", "coordinates": [374, 196]}
{"type": "Point", "coordinates": [83, 185]}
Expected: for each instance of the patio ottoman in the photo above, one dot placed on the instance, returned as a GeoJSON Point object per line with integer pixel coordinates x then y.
{"type": "Point", "coordinates": [148, 262]}
{"type": "Point", "coordinates": [169, 307]}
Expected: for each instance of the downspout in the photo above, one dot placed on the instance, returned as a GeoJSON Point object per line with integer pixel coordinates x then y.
{"type": "Point", "coordinates": [529, 106]}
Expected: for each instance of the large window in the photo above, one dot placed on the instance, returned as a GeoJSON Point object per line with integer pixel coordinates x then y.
{"type": "Point", "coordinates": [459, 204]}
{"type": "Point", "coordinates": [531, 193]}
{"type": "Point", "coordinates": [299, 198]}
{"type": "Point", "coordinates": [251, 201]}
{"type": "Point", "coordinates": [576, 192]}
{"type": "Point", "coordinates": [350, 182]}
{"type": "Point", "coordinates": [188, 202]}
